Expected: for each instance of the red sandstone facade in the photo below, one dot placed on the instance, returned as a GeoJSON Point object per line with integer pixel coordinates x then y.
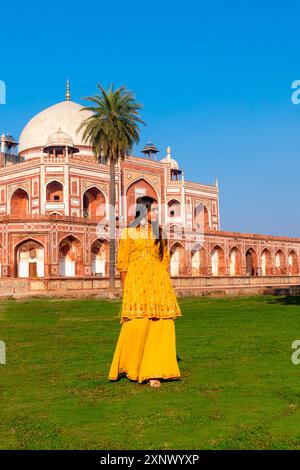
{"type": "Point", "coordinates": [54, 201]}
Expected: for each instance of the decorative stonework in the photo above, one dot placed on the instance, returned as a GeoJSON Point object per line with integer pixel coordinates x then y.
{"type": "Point", "coordinates": [205, 202]}
{"type": "Point", "coordinates": [54, 270]}
{"type": "Point", "coordinates": [59, 179]}
{"type": "Point", "coordinates": [54, 169]}
{"type": "Point", "coordinates": [11, 188]}
{"type": "Point", "coordinates": [87, 271]}
{"type": "Point", "coordinates": [2, 194]}
{"type": "Point", "coordinates": [152, 179]}
{"type": "Point", "coordinates": [85, 184]}
{"type": "Point", "coordinates": [75, 186]}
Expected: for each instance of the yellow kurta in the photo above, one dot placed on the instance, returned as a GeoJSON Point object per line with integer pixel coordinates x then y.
{"type": "Point", "coordinates": [148, 291]}
{"type": "Point", "coordinates": [146, 347]}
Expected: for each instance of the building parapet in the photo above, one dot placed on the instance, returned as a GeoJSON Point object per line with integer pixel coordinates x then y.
{"type": "Point", "coordinates": [198, 186]}
{"type": "Point", "coordinates": [180, 234]}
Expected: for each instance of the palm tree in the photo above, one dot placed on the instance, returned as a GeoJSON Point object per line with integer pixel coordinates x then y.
{"type": "Point", "coordinates": [112, 130]}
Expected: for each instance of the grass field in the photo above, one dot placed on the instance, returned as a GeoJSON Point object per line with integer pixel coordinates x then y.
{"type": "Point", "coordinates": [239, 388]}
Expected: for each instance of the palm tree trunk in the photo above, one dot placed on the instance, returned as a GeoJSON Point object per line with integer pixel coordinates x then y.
{"type": "Point", "coordinates": [112, 223]}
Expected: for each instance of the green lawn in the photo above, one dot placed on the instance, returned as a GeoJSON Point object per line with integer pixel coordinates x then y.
{"type": "Point", "coordinates": [239, 388]}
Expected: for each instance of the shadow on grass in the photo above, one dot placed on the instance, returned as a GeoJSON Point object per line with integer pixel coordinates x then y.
{"type": "Point", "coordinates": [123, 375]}
{"type": "Point", "coordinates": [286, 300]}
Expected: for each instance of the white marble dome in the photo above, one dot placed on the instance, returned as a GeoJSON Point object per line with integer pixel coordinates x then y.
{"type": "Point", "coordinates": [65, 115]}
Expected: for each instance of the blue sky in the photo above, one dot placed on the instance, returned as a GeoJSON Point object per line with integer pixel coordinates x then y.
{"type": "Point", "coordinates": [214, 78]}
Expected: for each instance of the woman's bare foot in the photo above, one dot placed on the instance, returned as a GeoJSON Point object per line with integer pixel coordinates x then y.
{"type": "Point", "coordinates": [154, 383]}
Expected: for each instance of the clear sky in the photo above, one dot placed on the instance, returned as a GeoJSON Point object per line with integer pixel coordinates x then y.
{"type": "Point", "coordinates": [214, 78]}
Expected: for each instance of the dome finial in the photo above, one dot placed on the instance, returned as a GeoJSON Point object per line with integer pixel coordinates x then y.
{"type": "Point", "coordinates": [169, 153]}
{"type": "Point", "coordinates": [68, 90]}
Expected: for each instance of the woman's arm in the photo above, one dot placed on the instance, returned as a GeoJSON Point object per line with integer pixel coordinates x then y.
{"type": "Point", "coordinates": [123, 255]}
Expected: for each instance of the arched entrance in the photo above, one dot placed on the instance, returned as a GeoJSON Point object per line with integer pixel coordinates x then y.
{"type": "Point", "coordinates": [70, 251]}
{"type": "Point", "coordinates": [174, 209]}
{"type": "Point", "coordinates": [30, 259]}
{"type": "Point", "coordinates": [19, 203]}
{"type": "Point", "coordinates": [94, 205]}
{"type": "Point", "coordinates": [138, 188]}
{"type": "Point", "coordinates": [251, 262]}
{"type": "Point", "coordinates": [201, 218]}
{"type": "Point", "coordinates": [54, 192]}
{"type": "Point", "coordinates": [293, 263]}
{"type": "Point", "coordinates": [217, 261]}
{"type": "Point", "coordinates": [279, 262]}
{"type": "Point", "coordinates": [177, 264]}
{"type": "Point", "coordinates": [198, 261]}
{"type": "Point", "coordinates": [266, 263]}
{"type": "Point", "coordinates": [234, 262]}
{"type": "Point", "coordinates": [100, 257]}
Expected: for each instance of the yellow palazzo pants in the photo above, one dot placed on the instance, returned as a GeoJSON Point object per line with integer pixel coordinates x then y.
{"type": "Point", "coordinates": [146, 348]}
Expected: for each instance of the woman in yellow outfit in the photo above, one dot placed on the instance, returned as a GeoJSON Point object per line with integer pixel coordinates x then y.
{"type": "Point", "coordinates": [146, 347]}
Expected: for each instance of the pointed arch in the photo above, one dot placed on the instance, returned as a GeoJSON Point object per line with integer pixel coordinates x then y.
{"type": "Point", "coordinates": [54, 191]}
{"type": "Point", "coordinates": [174, 208]}
{"type": "Point", "coordinates": [136, 188]}
{"type": "Point", "coordinates": [19, 203]}
{"type": "Point", "coordinates": [279, 262]}
{"type": "Point", "coordinates": [293, 263]}
{"type": "Point", "coordinates": [94, 203]}
{"type": "Point", "coordinates": [100, 257]}
{"type": "Point", "coordinates": [55, 213]}
{"type": "Point", "coordinates": [198, 258]}
{"type": "Point", "coordinates": [235, 261]}
{"type": "Point", "coordinates": [71, 256]}
{"type": "Point", "coordinates": [201, 218]}
{"type": "Point", "coordinates": [177, 261]}
{"type": "Point", "coordinates": [29, 258]}
{"type": "Point", "coordinates": [251, 261]}
{"type": "Point", "coordinates": [217, 260]}
{"type": "Point", "coordinates": [266, 262]}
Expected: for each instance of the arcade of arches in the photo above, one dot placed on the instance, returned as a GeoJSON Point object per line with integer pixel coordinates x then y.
{"type": "Point", "coordinates": [30, 260]}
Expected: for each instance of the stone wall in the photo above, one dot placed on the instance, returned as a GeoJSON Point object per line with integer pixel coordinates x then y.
{"type": "Point", "coordinates": [184, 286]}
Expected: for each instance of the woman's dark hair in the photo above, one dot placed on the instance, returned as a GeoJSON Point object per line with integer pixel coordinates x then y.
{"type": "Point", "coordinates": [143, 206]}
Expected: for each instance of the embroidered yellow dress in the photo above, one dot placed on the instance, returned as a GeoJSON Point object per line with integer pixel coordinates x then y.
{"type": "Point", "coordinates": [148, 291]}
{"type": "Point", "coordinates": [146, 347]}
